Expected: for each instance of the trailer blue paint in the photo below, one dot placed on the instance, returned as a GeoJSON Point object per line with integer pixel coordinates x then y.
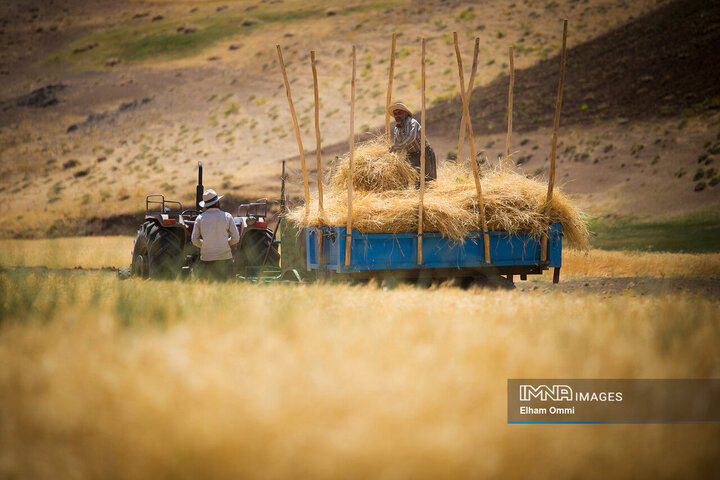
{"type": "Point", "coordinates": [382, 251]}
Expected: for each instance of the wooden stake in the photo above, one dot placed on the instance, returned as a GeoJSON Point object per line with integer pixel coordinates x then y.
{"type": "Point", "coordinates": [348, 238]}
{"type": "Point", "coordinates": [388, 100]}
{"type": "Point", "coordinates": [463, 121]}
{"type": "Point", "coordinates": [318, 148]}
{"type": "Point", "coordinates": [318, 144]}
{"type": "Point", "coordinates": [297, 131]}
{"type": "Point", "coordinates": [556, 128]}
{"type": "Point", "coordinates": [558, 107]}
{"type": "Point", "coordinates": [422, 161]}
{"type": "Point", "coordinates": [473, 160]}
{"type": "Point", "coordinates": [510, 109]}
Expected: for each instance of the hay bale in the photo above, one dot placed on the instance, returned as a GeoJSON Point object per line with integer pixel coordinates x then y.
{"type": "Point", "coordinates": [386, 201]}
{"type": "Point", "coordinates": [375, 169]}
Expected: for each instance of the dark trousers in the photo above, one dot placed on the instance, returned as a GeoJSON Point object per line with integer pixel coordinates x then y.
{"type": "Point", "coordinates": [430, 163]}
{"type": "Point", "coordinates": [216, 270]}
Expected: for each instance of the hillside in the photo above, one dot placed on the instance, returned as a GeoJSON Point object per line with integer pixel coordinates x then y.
{"type": "Point", "coordinates": [656, 67]}
{"type": "Point", "coordinates": [105, 103]}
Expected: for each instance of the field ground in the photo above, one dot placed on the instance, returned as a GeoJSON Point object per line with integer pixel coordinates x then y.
{"type": "Point", "coordinates": [599, 272]}
{"type": "Point", "coordinates": [143, 379]}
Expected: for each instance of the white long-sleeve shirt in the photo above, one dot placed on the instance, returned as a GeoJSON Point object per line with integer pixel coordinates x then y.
{"type": "Point", "coordinates": [213, 234]}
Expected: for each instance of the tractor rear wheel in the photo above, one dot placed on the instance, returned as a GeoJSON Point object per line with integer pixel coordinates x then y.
{"type": "Point", "coordinates": [254, 248]}
{"type": "Point", "coordinates": [158, 252]}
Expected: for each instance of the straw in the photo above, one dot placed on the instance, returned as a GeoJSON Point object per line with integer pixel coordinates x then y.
{"type": "Point", "coordinates": [386, 200]}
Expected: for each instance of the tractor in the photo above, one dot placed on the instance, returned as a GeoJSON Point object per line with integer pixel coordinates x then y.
{"type": "Point", "coordinates": [163, 248]}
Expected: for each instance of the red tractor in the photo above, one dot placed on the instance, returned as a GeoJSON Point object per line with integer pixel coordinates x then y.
{"type": "Point", "coordinates": [163, 248]}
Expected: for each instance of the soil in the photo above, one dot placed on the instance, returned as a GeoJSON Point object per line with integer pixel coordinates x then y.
{"type": "Point", "coordinates": [658, 65]}
{"type": "Point", "coordinates": [632, 286]}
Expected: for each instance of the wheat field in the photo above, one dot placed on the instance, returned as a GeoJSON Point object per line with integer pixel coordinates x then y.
{"type": "Point", "coordinates": [148, 379]}
{"type": "Point", "coordinates": [72, 252]}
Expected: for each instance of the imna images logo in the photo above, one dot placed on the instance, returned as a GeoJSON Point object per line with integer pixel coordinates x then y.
{"type": "Point", "coordinates": [555, 393]}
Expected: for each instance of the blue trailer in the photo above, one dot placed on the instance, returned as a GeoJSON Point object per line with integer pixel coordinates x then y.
{"type": "Point", "coordinates": [386, 255]}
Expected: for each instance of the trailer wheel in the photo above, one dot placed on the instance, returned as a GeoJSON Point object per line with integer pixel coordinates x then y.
{"type": "Point", "coordinates": [466, 282]}
{"type": "Point", "coordinates": [494, 281]}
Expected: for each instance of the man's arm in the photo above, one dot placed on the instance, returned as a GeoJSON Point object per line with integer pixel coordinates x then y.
{"type": "Point", "coordinates": [196, 240]}
{"type": "Point", "coordinates": [232, 230]}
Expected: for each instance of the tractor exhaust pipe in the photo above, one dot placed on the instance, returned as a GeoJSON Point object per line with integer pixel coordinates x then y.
{"type": "Point", "coordinates": [199, 189]}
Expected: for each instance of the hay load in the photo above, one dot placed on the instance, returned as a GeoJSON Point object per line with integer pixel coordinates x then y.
{"type": "Point", "coordinates": [386, 200]}
{"type": "Point", "coordinates": [375, 170]}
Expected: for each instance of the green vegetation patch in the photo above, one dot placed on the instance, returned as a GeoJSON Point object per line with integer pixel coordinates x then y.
{"type": "Point", "coordinates": [172, 39]}
{"type": "Point", "coordinates": [168, 40]}
{"type": "Point", "coordinates": [696, 233]}
{"type": "Point", "coordinates": [366, 8]}
{"type": "Point", "coordinates": [170, 44]}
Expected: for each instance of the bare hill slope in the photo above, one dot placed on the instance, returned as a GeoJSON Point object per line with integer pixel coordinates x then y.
{"type": "Point", "coordinates": [663, 64]}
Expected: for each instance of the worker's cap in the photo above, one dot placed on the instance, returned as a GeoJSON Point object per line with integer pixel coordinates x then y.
{"type": "Point", "coordinates": [399, 106]}
{"type": "Point", "coordinates": [210, 198]}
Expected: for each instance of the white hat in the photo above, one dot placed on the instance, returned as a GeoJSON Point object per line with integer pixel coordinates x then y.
{"type": "Point", "coordinates": [399, 106]}
{"type": "Point", "coordinates": [210, 198]}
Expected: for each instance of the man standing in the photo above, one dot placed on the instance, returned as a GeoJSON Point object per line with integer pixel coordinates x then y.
{"type": "Point", "coordinates": [213, 234]}
{"type": "Point", "coordinates": [406, 137]}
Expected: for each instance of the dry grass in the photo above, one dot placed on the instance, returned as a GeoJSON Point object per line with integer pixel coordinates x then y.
{"type": "Point", "coordinates": [602, 263]}
{"type": "Point", "coordinates": [374, 170]}
{"type": "Point", "coordinates": [387, 202]}
{"type": "Point", "coordinates": [104, 379]}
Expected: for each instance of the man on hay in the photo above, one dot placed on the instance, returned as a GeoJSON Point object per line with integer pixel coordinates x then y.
{"type": "Point", "coordinates": [406, 137]}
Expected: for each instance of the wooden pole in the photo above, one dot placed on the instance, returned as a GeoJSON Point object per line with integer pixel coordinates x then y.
{"type": "Point", "coordinates": [556, 128]}
{"type": "Point", "coordinates": [558, 107]}
{"type": "Point", "coordinates": [318, 144]}
{"type": "Point", "coordinates": [297, 131]}
{"type": "Point", "coordinates": [463, 121]}
{"type": "Point", "coordinates": [422, 161]}
{"type": "Point", "coordinates": [388, 100]}
{"type": "Point", "coordinates": [510, 108]}
{"type": "Point", "coordinates": [348, 238]}
{"type": "Point", "coordinates": [473, 160]}
{"type": "Point", "coordinates": [318, 148]}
